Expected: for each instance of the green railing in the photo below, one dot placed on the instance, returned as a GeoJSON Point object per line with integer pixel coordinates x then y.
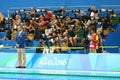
{"type": "Point", "coordinates": [85, 49]}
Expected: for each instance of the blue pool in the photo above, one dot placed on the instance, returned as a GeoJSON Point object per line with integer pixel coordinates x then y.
{"type": "Point", "coordinates": [41, 74]}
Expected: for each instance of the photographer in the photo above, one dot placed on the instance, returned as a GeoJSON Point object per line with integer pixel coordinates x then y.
{"type": "Point", "coordinates": [39, 49]}
{"type": "Point", "coordinates": [32, 13]}
{"type": "Point", "coordinates": [54, 40]}
{"type": "Point", "coordinates": [61, 12]}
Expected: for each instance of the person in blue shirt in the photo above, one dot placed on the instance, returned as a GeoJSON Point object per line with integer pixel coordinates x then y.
{"type": "Point", "coordinates": [20, 45]}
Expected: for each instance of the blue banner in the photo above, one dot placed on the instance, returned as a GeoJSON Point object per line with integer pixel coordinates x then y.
{"type": "Point", "coordinates": [106, 62]}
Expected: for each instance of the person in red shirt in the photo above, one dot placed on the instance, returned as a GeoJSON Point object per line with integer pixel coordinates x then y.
{"type": "Point", "coordinates": [48, 14]}
{"type": "Point", "coordinates": [42, 23]}
{"type": "Point", "coordinates": [94, 41]}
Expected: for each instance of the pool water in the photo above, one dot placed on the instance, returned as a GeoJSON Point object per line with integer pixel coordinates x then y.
{"type": "Point", "coordinates": [48, 77]}
{"type": "Point", "coordinates": [37, 74]}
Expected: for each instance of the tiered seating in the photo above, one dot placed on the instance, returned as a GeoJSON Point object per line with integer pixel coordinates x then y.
{"type": "Point", "coordinates": [113, 39]}
{"type": "Point", "coordinates": [109, 39]}
{"type": "Point", "coordinates": [3, 35]}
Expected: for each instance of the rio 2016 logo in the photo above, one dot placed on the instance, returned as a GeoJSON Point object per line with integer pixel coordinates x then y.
{"type": "Point", "coordinates": [53, 61]}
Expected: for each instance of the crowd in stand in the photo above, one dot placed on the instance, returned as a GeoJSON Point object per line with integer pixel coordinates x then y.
{"type": "Point", "coordinates": [57, 28]}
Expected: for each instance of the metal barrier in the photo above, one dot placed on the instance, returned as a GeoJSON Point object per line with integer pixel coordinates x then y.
{"type": "Point", "coordinates": [84, 50]}
{"type": "Point", "coordinates": [115, 7]}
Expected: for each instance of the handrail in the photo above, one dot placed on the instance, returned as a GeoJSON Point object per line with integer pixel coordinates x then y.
{"type": "Point", "coordinates": [109, 5]}
{"type": "Point", "coordinates": [50, 7]}
{"type": "Point", "coordinates": [19, 8]}
{"type": "Point", "coordinates": [60, 47]}
{"type": "Point", "coordinates": [4, 47]}
{"type": "Point", "coordinates": [115, 7]}
{"type": "Point", "coordinates": [81, 6]}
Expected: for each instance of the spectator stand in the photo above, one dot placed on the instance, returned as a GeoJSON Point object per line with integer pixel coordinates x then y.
{"type": "Point", "coordinates": [71, 11]}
